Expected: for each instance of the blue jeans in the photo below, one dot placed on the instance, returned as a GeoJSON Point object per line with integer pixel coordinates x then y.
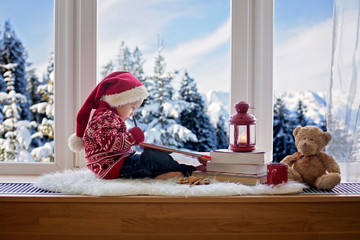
{"type": "Point", "coordinates": [152, 163]}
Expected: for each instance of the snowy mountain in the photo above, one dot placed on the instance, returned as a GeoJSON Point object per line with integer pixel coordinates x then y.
{"type": "Point", "coordinates": [217, 104]}
{"type": "Point", "coordinates": [315, 103]}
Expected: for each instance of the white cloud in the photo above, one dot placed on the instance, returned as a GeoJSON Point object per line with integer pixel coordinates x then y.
{"type": "Point", "coordinates": [195, 50]}
{"type": "Point", "coordinates": [303, 61]}
{"type": "Point", "coordinates": [139, 25]}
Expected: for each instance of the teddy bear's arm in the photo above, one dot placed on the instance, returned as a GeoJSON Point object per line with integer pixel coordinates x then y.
{"type": "Point", "coordinates": [291, 159]}
{"type": "Point", "coordinates": [330, 164]}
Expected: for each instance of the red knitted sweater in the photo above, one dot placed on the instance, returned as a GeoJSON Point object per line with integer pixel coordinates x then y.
{"type": "Point", "coordinates": [107, 143]}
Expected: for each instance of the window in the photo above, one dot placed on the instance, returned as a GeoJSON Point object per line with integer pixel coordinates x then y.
{"type": "Point", "coordinates": [315, 76]}
{"type": "Point", "coordinates": [71, 62]}
{"type": "Point", "coordinates": [76, 61]}
{"type": "Point", "coordinates": [183, 43]}
{"type": "Point", "coordinates": [26, 66]}
{"type": "Point", "coordinates": [115, 27]}
{"type": "Point", "coordinates": [302, 63]}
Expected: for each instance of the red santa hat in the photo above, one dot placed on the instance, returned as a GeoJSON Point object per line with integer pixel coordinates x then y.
{"type": "Point", "coordinates": [117, 89]}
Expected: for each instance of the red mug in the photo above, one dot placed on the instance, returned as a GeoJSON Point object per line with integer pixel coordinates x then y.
{"type": "Point", "coordinates": [277, 173]}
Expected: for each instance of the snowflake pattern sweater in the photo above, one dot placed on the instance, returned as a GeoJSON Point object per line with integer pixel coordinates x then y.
{"type": "Point", "coordinates": [108, 143]}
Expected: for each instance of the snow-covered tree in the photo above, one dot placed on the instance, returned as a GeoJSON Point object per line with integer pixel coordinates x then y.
{"type": "Point", "coordinates": [15, 135]}
{"type": "Point", "coordinates": [300, 114]}
{"type": "Point", "coordinates": [222, 133]}
{"type": "Point", "coordinates": [161, 111]}
{"type": "Point", "coordinates": [283, 140]}
{"type": "Point", "coordinates": [107, 69]}
{"type": "Point", "coordinates": [195, 119]}
{"type": "Point", "coordinates": [124, 59]}
{"type": "Point", "coordinates": [45, 152]}
{"type": "Point", "coordinates": [12, 51]}
{"type": "Point", "coordinates": [33, 83]}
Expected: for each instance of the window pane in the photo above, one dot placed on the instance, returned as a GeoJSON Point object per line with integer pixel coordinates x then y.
{"type": "Point", "coordinates": [182, 45]}
{"type": "Point", "coordinates": [26, 81]}
{"type": "Point", "coordinates": [308, 51]}
{"type": "Point", "coordinates": [302, 60]}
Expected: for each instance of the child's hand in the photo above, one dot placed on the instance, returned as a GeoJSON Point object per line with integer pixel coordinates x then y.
{"type": "Point", "coordinates": [137, 134]}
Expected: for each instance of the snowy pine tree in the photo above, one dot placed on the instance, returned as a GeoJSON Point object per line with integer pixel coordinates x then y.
{"type": "Point", "coordinates": [124, 61]}
{"type": "Point", "coordinates": [12, 51]}
{"type": "Point", "coordinates": [300, 114]}
{"type": "Point", "coordinates": [283, 140]}
{"type": "Point", "coordinates": [15, 135]}
{"type": "Point", "coordinates": [194, 118]}
{"type": "Point", "coordinates": [222, 133]}
{"type": "Point", "coordinates": [161, 111]}
{"type": "Point", "coordinates": [107, 69]}
{"type": "Point", "coordinates": [46, 131]}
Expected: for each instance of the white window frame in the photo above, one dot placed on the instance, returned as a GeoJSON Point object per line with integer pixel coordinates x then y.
{"type": "Point", "coordinates": [75, 77]}
{"type": "Point", "coordinates": [75, 72]}
{"type": "Point", "coordinates": [252, 63]}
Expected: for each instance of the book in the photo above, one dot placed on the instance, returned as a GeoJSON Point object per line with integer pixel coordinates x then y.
{"type": "Point", "coordinates": [233, 177]}
{"type": "Point", "coordinates": [236, 168]}
{"type": "Point", "coordinates": [228, 156]}
{"type": "Point", "coordinates": [174, 150]}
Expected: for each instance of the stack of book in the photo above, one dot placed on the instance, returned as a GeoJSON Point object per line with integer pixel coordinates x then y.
{"type": "Point", "coordinates": [243, 167]}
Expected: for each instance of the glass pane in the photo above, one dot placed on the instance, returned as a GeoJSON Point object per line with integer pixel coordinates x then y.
{"type": "Point", "coordinates": [302, 64]}
{"type": "Point", "coordinates": [252, 134]}
{"type": "Point", "coordinates": [232, 134]}
{"type": "Point", "coordinates": [180, 50]}
{"type": "Point", "coordinates": [26, 81]}
{"type": "Point", "coordinates": [315, 73]}
{"type": "Point", "coordinates": [242, 135]}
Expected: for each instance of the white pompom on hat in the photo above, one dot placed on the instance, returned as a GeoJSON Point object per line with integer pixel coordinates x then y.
{"type": "Point", "coordinates": [117, 89]}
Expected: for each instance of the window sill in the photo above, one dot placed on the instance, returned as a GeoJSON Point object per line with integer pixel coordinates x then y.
{"type": "Point", "coordinates": [18, 178]}
{"type": "Point", "coordinates": [79, 216]}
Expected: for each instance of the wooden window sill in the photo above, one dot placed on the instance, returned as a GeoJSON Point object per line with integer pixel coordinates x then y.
{"type": "Point", "coordinates": [161, 217]}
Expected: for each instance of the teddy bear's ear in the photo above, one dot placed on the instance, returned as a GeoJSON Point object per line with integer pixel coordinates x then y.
{"type": "Point", "coordinates": [296, 130]}
{"type": "Point", "coordinates": [327, 137]}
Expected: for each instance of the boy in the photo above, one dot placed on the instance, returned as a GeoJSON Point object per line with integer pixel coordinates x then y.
{"type": "Point", "coordinates": [106, 140]}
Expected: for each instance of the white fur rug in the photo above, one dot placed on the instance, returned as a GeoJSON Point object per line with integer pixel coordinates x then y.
{"type": "Point", "coordinates": [83, 181]}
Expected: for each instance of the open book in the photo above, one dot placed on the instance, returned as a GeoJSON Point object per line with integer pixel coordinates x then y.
{"type": "Point", "coordinates": [173, 150]}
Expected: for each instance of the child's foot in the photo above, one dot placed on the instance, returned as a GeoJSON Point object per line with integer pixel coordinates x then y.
{"type": "Point", "coordinates": [169, 175]}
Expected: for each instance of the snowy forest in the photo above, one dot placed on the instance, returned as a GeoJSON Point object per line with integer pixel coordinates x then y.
{"type": "Point", "coordinates": [175, 114]}
{"type": "Point", "coordinates": [26, 104]}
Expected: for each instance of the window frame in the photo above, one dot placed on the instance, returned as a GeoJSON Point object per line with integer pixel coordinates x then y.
{"type": "Point", "coordinates": [252, 63]}
{"type": "Point", "coordinates": [76, 71]}
{"type": "Point", "coordinates": [75, 76]}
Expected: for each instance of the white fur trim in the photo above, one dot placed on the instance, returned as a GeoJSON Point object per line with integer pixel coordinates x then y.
{"type": "Point", "coordinates": [76, 144]}
{"type": "Point", "coordinates": [129, 96]}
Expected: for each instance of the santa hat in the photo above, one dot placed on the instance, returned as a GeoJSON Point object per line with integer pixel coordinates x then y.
{"type": "Point", "coordinates": [117, 89]}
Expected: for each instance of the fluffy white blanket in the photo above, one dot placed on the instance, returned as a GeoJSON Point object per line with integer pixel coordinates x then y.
{"type": "Point", "coordinates": [83, 181]}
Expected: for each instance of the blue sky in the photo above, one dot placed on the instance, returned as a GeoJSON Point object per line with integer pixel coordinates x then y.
{"type": "Point", "coordinates": [32, 22]}
{"type": "Point", "coordinates": [302, 44]}
{"type": "Point", "coordinates": [196, 35]}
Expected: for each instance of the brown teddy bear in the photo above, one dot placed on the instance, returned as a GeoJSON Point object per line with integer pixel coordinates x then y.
{"type": "Point", "coordinates": [310, 165]}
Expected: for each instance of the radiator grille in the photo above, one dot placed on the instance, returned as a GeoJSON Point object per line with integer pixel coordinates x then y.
{"type": "Point", "coordinates": [342, 188]}
{"type": "Point", "coordinates": [29, 188]}
{"type": "Point", "coordinates": [22, 188]}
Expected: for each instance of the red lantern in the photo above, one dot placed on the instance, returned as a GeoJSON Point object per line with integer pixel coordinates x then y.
{"type": "Point", "coordinates": [242, 129]}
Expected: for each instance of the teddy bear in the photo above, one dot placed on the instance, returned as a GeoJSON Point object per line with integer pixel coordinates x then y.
{"type": "Point", "coordinates": [310, 165]}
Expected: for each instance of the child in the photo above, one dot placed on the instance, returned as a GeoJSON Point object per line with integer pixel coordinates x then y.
{"type": "Point", "coordinates": [107, 141]}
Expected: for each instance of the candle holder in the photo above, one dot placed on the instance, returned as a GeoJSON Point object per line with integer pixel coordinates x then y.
{"type": "Point", "coordinates": [242, 129]}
